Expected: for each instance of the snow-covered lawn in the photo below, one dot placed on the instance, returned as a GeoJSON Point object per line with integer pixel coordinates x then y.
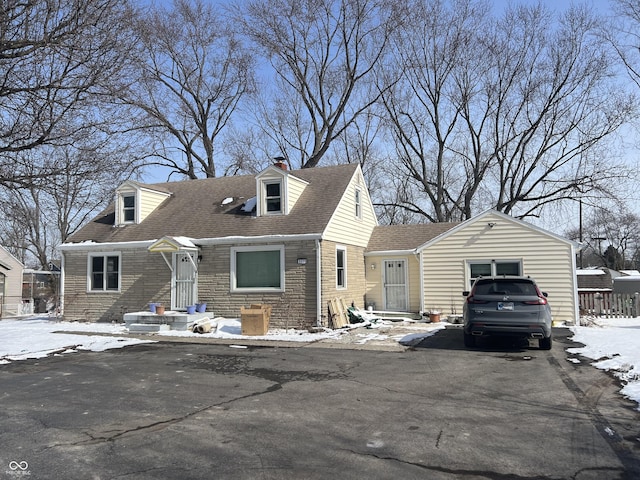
{"type": "Point", "coordinates": [613, 344]}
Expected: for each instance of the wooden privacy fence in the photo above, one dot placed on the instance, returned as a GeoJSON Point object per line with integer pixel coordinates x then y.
{"type": "Point", "coordinates": [609, 304]}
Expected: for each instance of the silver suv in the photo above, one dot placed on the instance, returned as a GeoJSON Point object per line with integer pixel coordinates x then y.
{"type": "Point", "coordinates": [506, 305]}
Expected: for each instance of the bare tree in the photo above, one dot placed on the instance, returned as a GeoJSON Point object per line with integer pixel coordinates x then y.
{"type": "Point", "coordinates": [190, 75]}
{"type": "Point", "coordinates": [437, 53]}
{"type": "Point", "coordinates": [612, 236]}
{"type": "Point", "coordinates": [34, 220]}
{"type": "Point", "coordinates": [55, 56]}
{"type": "Point", "coordinates": [324, 54]}
{"type": "Point", "coordinates": [558, 103]}
{"type": "Point", "coordinates": [624, 35]}
{"type": "Point", "coordinates": [507, 112]}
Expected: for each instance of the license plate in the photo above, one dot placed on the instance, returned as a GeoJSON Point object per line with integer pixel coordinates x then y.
{"type": "Point", "coordinates": [505, 306]}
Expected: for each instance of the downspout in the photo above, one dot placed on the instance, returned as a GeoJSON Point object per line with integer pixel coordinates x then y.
{"type": "Point", "coordinates": [61, 286]}
{"type": "Point", "coordinates": [318, 285]}
{"type": "Point", "coordinates": [421, 276]}
{"type": "Point", "coordinates": [574, 280]}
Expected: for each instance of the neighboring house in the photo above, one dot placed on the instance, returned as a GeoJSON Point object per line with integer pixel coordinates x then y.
{"type": "Point", "coordinates": [40, 288]}
{"type": "Point", "coordinates": [427, 267]}
{"type": "Point", "coordinates": [10, 284]}
{"type": "Point", "coordinates": [291, 239]}
{"type": "Point", "coordinates": [596, 279]}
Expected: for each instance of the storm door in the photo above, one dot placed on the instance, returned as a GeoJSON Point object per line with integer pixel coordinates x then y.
{"type": "Point", "coordinates": [184, 280]}
{"type": "Point", "coordinates": [395, 285]}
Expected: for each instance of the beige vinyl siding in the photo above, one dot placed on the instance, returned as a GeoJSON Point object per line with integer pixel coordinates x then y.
{"type": "Point", "coordinates": [146, 201]}
{"type": "Point", "coordinates": [375, 281]}
{"type": "Point", "coordinates": [149, 201]}
{"type": "Point", "coordinates": [344, 226]}
{"type": "Point", "coordinates": [545, 258]}
{"type": "Point", "coordinates": [295, 187]}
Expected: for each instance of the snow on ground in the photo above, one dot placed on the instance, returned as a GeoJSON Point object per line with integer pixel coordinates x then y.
{"type": "Point", "coordinates": [34, 338]}
{"type": "Point", "coordinates": [613, 344]}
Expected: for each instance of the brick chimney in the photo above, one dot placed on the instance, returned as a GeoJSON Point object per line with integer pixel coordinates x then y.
{"type": "Point", "coordinates": [280, 163]}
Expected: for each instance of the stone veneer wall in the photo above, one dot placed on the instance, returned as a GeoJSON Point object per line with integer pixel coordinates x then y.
{"type": "Point", "coordinates": [145, 277]}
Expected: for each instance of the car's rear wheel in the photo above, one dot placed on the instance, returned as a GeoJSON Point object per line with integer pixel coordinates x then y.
{"type": "Point", "coordinates": [545, 343]}
{"type": "Point", "coordinates": [469, 340]}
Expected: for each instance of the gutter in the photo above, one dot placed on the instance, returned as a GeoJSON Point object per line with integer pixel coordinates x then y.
{"type": "Point", "coordinates": [90, 245]}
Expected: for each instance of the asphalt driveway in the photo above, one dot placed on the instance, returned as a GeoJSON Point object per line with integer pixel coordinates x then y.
{"type": "Point", "coordinates": [212, 410]}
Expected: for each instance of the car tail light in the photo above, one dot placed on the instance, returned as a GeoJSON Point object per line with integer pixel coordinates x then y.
{"type": "Point", "coordinates": [542, 300]}
{"type": "Point", "coordinates": [472, 299]}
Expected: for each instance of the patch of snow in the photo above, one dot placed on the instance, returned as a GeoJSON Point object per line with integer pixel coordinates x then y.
{"type": "Point", "coordinates": [35, 338]}
{"type": "Point", "coordinates": [613, 345]}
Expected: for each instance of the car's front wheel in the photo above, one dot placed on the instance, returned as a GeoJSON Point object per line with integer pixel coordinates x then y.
{"type": "Point", "coordinates": [545, 343]}
{"type": "Point", "coordinates": [469, 340]}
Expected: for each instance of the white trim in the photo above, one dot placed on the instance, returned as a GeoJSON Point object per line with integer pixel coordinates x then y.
{"type": "Point", "coordinates": [490, 261]}
{"type": "Point", "coordinates": [258, 248]}
{"type": "Point", "coordinates": [388, 253]}
{"type": "Point", "coordinates": [406, 281]}
{"type": "Point", "coordinates": [283, 196]}
{"type": "Point", "coordinates": [357, 200]}
{"type": "Point", "coordinates": [62, 282]}
{"type": "Point", "coordinates": [94, 246]}
{"type": "Point", "coordinates": [90, 256]}
{"type": "Point", "coordinates": [505, 217]}
{"type": "Point", "coordinates": [318, 284]}
{"type": "Point", "coordinates": [341, 248]}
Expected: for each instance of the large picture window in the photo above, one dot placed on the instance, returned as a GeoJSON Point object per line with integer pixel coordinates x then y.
{"type": "Point", "coordinates": [104, 272]}
{"type": "Point", "coordinates": [257, 268]}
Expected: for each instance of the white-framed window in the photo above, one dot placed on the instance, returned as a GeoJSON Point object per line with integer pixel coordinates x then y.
{"type": "Point", "coordinates": [257, 268]}
{"type": "Point", "coordinates": [273, 197]}
{"type": "Point", "coordinates": [341, 267]}
{"type": "Point", "coordinates": [129, 208]}
{"type": "Point", "coordinates": [491, 268]}
{"type": "Point", "coordinates": [358, 202]}
{"type": "Point", "coordinates": [103, 272]}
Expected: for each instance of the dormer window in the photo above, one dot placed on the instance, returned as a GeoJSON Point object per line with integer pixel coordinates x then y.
{"type": "Point", "coordinates": [129, 208]}
{"type": "Point", "coordinates": [273, 197]}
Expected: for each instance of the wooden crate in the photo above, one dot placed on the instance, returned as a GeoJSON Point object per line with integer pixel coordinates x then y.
{"type": "Point", "coordinates": [255, 319]}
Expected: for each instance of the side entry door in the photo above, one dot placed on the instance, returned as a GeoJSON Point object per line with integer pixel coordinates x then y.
{"type": "Point", "coordinates": [395, 285]}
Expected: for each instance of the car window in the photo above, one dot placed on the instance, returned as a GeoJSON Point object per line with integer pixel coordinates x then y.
{"type": "Point", "coordinates": [500, 287]}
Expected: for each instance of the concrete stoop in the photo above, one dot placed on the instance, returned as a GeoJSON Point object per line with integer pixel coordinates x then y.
{"type": "Point", "coordinates": [171, 320]}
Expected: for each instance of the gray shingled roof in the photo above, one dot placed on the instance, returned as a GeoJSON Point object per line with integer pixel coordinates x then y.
{"type": "Point", "coordinates": [195, 209]}
{"type": "Point", "coordinates": [406, 237]}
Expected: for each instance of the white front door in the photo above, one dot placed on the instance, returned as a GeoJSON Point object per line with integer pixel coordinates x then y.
{"type": "Point", "coordinates": [184, 280]}
{"type": "Point", "coordinates": [395, 285]}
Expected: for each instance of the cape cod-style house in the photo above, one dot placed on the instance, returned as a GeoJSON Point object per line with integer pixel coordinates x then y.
{"type": "Point", "coordinates": [293, 240]}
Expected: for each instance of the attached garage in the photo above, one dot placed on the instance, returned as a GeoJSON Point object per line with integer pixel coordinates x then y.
{"type": "Point", "coordinates": [452, 255]}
